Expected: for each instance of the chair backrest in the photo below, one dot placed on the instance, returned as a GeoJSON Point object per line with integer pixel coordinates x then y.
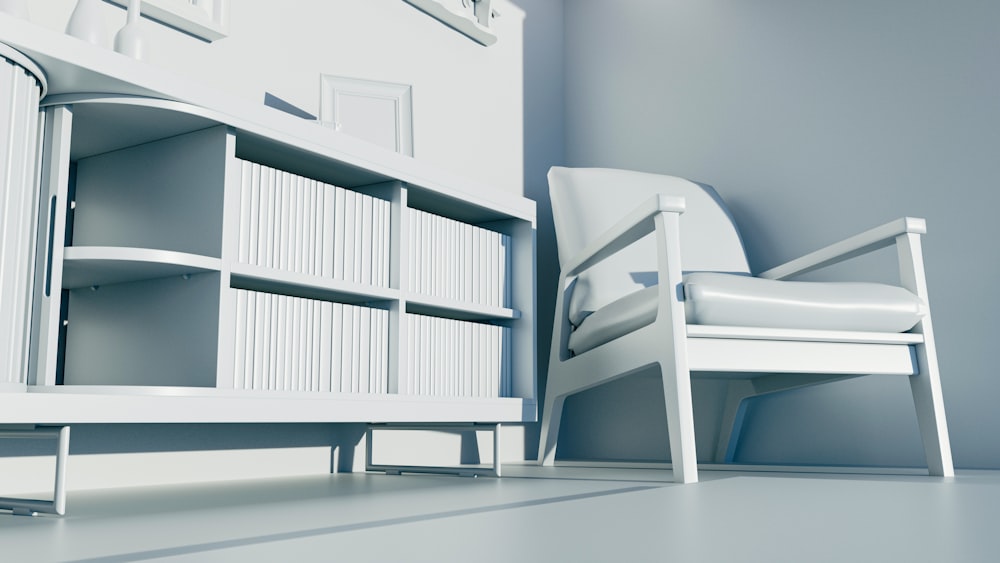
{"type": "Point", "coordinates": [586, 202]}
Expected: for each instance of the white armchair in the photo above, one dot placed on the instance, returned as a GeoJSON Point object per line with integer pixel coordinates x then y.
{"type": "Point", "coordinates": [617, 228]}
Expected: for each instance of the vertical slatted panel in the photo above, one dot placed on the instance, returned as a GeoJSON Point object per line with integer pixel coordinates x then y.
{"type": "Point", "coordinates": [20, 92]}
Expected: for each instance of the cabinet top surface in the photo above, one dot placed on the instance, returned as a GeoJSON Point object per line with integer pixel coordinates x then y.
{"type": "Point", "coordinates": [80, 73]}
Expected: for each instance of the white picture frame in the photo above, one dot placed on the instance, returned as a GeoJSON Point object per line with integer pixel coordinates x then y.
{"type": "Point", "coordinates": [374, 111]}
{"type": "Point", "coordinates": [206, 19]}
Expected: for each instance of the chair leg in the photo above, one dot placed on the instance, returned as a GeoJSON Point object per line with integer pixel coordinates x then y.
{"type": "Point", "coordinates": [673, 340]}
{"type": "Point", "coordinates": [733, 413]}
{"type": "Point", "coordinates": [926, 383]}
{"type": "Point", "coordinates": [551, 417]}
{"type": "Point", "coordinates": [927, 399]}
{"type": "Point", "coordinates": [680, 422]}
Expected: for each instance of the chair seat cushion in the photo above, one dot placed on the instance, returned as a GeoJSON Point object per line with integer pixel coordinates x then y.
{"type": "Point", "coordinates": [737, 300]}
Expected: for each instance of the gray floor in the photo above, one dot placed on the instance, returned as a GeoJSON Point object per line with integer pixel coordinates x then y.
{"type": "Point", "coordinates": [532, 514]}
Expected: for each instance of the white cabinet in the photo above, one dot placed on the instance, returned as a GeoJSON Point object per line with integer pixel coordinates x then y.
{"type": "Point", "coordinates": [201, 267]}
{"type": "Point", "coordinates": [21, 86]}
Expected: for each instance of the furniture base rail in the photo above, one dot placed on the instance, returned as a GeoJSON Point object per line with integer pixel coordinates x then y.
{"type": "Point", "coordinates": [463, 470]}
{"type": "Point", "coordinates": [29, 507]}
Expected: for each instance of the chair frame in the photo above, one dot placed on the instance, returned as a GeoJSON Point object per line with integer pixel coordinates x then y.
{"type": "Point", "coordinates": [774, 359]}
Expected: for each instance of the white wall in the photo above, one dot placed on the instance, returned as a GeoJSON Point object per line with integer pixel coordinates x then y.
{"type": "Point", "coordinates": [466, 97]}
{"type": "Point", "coordinates": [815, 120]}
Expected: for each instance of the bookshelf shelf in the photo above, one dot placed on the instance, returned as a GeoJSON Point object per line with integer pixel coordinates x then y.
{"type": "Point", "coordinates": [259, 278]}
{"type": "Point", "coordinates": [440, 307]}
{"type": "Point", "coordinates": [88, 266]}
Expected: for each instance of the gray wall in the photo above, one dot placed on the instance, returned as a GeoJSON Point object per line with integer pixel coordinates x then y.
{"type": "Point", "coordinates": [815, 120]}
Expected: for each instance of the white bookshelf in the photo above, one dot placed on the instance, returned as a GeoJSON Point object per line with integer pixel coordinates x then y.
{"type": "Point", "coordinates": [140, 273]}
{"type": "Point", "coordinates": [210, 269]}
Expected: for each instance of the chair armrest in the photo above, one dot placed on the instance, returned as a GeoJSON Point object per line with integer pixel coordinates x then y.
{"type": "Point", "coordinates": [626, 231]}
{"type": "Point", "coordinates": [868, 241]}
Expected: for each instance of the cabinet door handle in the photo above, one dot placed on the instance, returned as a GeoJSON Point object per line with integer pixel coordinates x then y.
{"type": "Point", "coordinates": [48, 259]}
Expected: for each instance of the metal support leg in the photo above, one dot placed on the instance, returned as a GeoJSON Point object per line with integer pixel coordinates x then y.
{"type": "Point", "coordinates": [57, 505]}
{"type": "Point", "coordinates": [465, 471]}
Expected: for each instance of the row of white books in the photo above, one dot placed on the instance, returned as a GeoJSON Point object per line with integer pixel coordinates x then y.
{"type": "Point", "coordinates": [448, 357]}
{"type": "Point", "coordinates": [286, 343]}
{"type": "Point", "coordinates": [297, 224]}
{"type": "Point", "coordinates": [459, 261]}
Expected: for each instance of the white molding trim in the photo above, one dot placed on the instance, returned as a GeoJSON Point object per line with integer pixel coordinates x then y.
{"type": "Point", "coordinates": [475, 24]}
{"type": "Point", "coordinates": [333, 88]}
{"type": "Point", "coordinates": [185, 16]}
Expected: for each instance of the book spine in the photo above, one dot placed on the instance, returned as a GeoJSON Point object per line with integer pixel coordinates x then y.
{"type": "Point", "coordinates": [418, 346]}
{"type": "Point", "coordinates": [492, 272]}
{"type": "Point", "coordinates": [282, 218]}
{"type": "Point", "coordinates": [508, 300]}
{"type": "Point", "coordinates": [483, 360]}
{"type": "Point", "coordinates": [277, 329]}
{"type": "Point", "coordinates": [348, 349]}
{"type": "Point", "coordinates": [322, 385]}
{"type": "Point", "coordinates": [359, 337]}
{"type": "Point", "coordinates": [427, 362]}
{"type": "Point", "coordinates": [297, 205]}
{"type": "Point", "coordinates": [266, 216]}
{"type": "Point", "coordinates": [367, 247]}
{"type": "Point", "coordinates": [252, 344]}
{"type": "Point", "coordinates": [239, 363]}
{"type": "Point", "coordinates": [384, 349]}
{"type": "Point", "coordinates": [293, 336]}
{"type": "Point", "coordinates": [413, 246]}
{"type": "Point", "coordinates": [496, 359]}
{"type": "Point", "coordinates": [246, 179]}
{"type": "Point", "coordinates": [365, 351]}
{"type": "Point", "coordinates": [266, 342]}
{"type": "Point", "coordinates": [339, 227]}
{"type": "Point", "coordinates": [406, 376]}
{"type": "Point", "coordinates": [508, 362]}
{"type": "Point", "coordinates": [310, 229]}
{"type": "Point", "coordinates": [337, 338]}
{"type": "Point", "coordinates": [279, 221]}
{"type": "Point", "coordinates": [255, 223]}
{"type": "Point", "coordinates": [468, 340]}
{"type": "Point", "coordinates": [280, 347]}
{"type": "Point", "coordinates": [385, 231]}
{"type": "Point", "coordinates": [359, 251]}
{"type": "Point", "coordinates": [329, 214]}
{"type": "Point", "coordinates": [350, 232]}
{"type": "Point", "coordinates": [477, 287]}
{"type": "Point", "coordinates": [454, 353]}
{"type": "Point", "coordinates": [376, 242]}
{"type": "Point", "coordinates": [296, 312]}
{"type": "Point", "coordinates": [311, 382]}
{"type": "Point", "coordinates": [426, 257]}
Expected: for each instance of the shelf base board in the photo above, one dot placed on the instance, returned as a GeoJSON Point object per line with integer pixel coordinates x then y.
{"type": "Point", "coordinates": [84, 404]}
